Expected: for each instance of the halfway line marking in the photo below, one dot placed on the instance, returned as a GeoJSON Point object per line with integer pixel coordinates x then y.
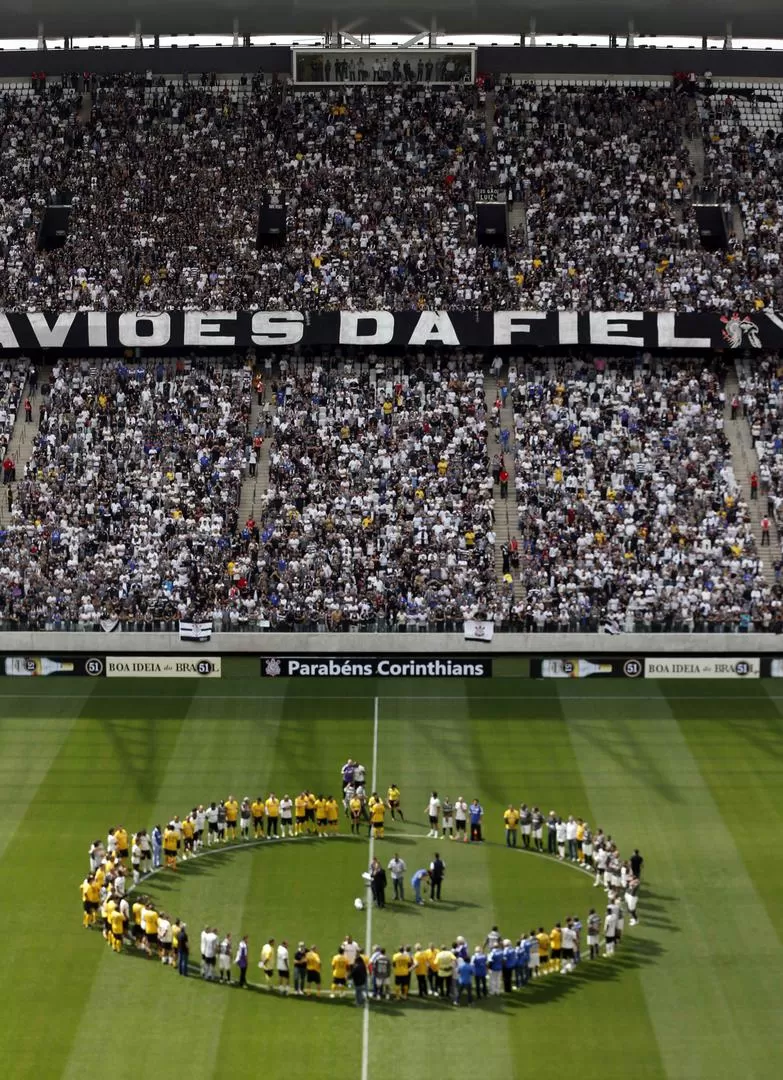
{"type": "Point", "coordinates": [368, 923]}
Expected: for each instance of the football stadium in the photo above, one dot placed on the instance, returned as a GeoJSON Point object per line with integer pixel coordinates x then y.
{"type": "Point", "coordinates": [391, 567]}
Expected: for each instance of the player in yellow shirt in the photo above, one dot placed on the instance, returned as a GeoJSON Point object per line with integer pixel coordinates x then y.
{"type": "Point", "coordinates": [402, 963]}
{"type": "Point", "coordinates": [339, 972]}
{"type": "Point", "coordinates": [555, 942]}
{"type": "Point", "coordinates": [332, 814]}
{"type": "Point", "coordinates": [188, 831]}
{"type": "Point", "coordinates": [421, 967]}
{"type": "Point", "coordinates": [107, 910]}
{"type": "Point", "coordinates": [272, 817]}
{"type": "Point", "coordinates": [121, 840]}
{"type": "Point", "coordinates": [170, 846]}
{"type": "Point", "coordinates": [257, 811]}
{"type": "Point", "coordinates": [232, 813]}
{"type": "Point", "coordinates": [138, 930]}
{"type": "Point", "coordinates": [580, 840]}
{"type": "Point", "coordinates": [313, 965]}
{"type": "Point", "coordinates": [355, 810]}
{"type": "Point", "coordinates": [320, 815]}
{"type": "Point", "coordinates": [543, 950]}
{"type": "Point", "coordinates": [432, 963]}
{"type": "Point", "coordinates": [93, 898]}
{"type": "Point", "coordinates": [393, 799]}
{"type": "Point", "coordinates": [149, 920]}
{"type": "Point", "coordinates": [84, 889]}
{"type": "Point", "coordinates": [117, 929]}
{"type": "Point", "coordinates": [511, 820]}
{"type": "Point", "coordinates": [310, 812]}
{"type": "Point", "coordinates": [300, 806]}
{"type": "Point", "coordinates": [377, 816]}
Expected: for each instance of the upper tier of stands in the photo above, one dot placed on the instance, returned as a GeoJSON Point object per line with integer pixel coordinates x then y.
{"type": "Point", "coordinates": [380, 183]}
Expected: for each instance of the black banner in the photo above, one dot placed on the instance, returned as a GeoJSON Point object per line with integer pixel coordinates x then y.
{"type": "Point", "coordinates": [583, 667]}
{"type": "Point", "coordinates": [57, 666]}
{"type": "Point", "coordinates": [99, 330]}
{"type": "Point", "coordinates": [375, 667]}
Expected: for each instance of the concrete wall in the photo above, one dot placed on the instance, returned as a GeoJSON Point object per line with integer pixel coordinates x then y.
{"type": "Point", "coordinates": [59, 643]}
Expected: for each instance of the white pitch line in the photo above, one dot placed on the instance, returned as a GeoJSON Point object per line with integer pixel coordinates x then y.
{"type": "Point", "coordinates": [368, 923]}
{"type": "Point", "coordinates": [388, 697]}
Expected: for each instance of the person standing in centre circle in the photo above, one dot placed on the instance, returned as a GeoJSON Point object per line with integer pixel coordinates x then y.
{"type": "Point", "coordinates": [437, 874]}
{"type": "Point", "coordinates": [416, 882]}
{"type": "Point", "coordinates": [397, 870]}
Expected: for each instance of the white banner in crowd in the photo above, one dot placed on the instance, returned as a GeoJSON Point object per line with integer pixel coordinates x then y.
{"type": "Point", "coordinates": [479, 630]}
{"type": "Point", "coordinates": [195, 631]}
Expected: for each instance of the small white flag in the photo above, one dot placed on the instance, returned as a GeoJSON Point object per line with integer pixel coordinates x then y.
{"type": "Point", "coordinates": [195, 631]}
{"type": "Point", "coordinates": [479, 630]}
{"type": "Point", "coordinates": [107, 625]}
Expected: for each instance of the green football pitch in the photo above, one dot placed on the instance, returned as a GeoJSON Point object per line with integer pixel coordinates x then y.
{"type": "Point", "coordinates": [691, 774]}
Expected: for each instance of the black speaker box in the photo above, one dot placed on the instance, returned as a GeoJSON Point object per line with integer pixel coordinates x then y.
{"type": "Point", "coordinates": [271, 223]}
{"type": "Point", "coordinates": [492, 224]}
{"type": "Point", "coordinates": [713, 230]}
{"type": "Point", "coordinates": [53, 230]}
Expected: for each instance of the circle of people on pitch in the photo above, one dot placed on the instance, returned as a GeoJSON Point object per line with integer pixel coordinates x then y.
{"type": "Point", "coordinates": [447, 973]}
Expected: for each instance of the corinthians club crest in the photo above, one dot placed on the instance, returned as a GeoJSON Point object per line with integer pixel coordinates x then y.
{"type": "Point", "coordinates": [738, 331]}
{"type": "Point", "coordinates": [272, 667]}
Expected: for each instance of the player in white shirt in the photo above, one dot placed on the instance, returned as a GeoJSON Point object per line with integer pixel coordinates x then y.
{"type": "Point", "coordinates": [567, 944]}
{"type": "Point", "coordinates": [210, 952]}
{"type": "Point", "coordinates": [286, 815]}
{"type": "Point", "coordinates": [359, 773]}
{"type": "Point", "coordinates": [632, 899]}
{"type": "Point", "coordinates": [164, 938]}
{"type": "Point", "coordinates": [111, 843]}
{"type": "Point", "coordinates": [350, 949]}
{"type": "Point", "coordinates": [571, 838]}
{"type": "Point", "coordinates": [204, 933]}
{"type": "Point", "coordinates": [610, 929]}
{"type": "Point", "coordinates": [283, 967]}
{"type": "Point", "coordinates": [211, 814]}
{"type": "Point", "coordinates": [119, 881]}
{"type": "Point", "coordinates": [593, 932]}
{"type": "Point", "coordinates": [146, 851]}
{"type": "Point", "coordinates": [601, 859]}
{"type": "Point", "coordinates": [136, 860]}
{"type": "Point", "coordinates": [199, 821]}
{"type": "Point", "coordinates": [433, 812]}
{"type": "Point", "coordinates": [561, 830]}
{"type": "Point", "coordinates": [224, 959]}
{"type": "Point", "coordinates": [461, 818]}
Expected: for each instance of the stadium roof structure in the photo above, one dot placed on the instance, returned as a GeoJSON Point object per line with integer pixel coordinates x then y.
{"type": "Point", "coordinates": [753, 19]}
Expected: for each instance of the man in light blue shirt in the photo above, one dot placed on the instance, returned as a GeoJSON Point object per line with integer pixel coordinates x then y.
{"type": "Point", "coordinates": [416, 880]}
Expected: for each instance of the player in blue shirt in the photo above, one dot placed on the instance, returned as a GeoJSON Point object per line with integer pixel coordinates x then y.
{"type": "Point", "coordinates": [464, 981]}
{"type": "Point", "coordinates": [416, 880]}
{"type": "Point", "coordinates": [495, 963]}
{"type": "Point", "coordinates": [480, 972]}
{"type": "Point", "coordinates": [521, 970]}
{"type": "Point", "coordinates": [476, 812]}
{"type": "Point", "coordinates": [509, 965]}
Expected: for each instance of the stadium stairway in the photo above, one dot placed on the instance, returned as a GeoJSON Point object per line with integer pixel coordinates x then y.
{"type": "Point", "coordinates": [489, 119]}
{"type": "Point", "coordinates": [506, 511]}
{"type": "Point", "coordinates": [745, 462]}
{"type": "Point", "coordinates": [23, 439]}
{"type": "Point", "coordinates": [254, 487]}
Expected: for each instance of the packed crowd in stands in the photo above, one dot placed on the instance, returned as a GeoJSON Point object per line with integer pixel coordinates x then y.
{"type": "Point", "coordinates": [380, 502]}
{"type": "Point", "coordinates": [128, 505]}
{"type": "Point", "coordinates": [760, 401]}
{"type": "Point", "coordinates": [385, 474]}
{"type": "Point", "coordinates": [629, 509]}
{"type": "Point", "coordinates": [380, 184]}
